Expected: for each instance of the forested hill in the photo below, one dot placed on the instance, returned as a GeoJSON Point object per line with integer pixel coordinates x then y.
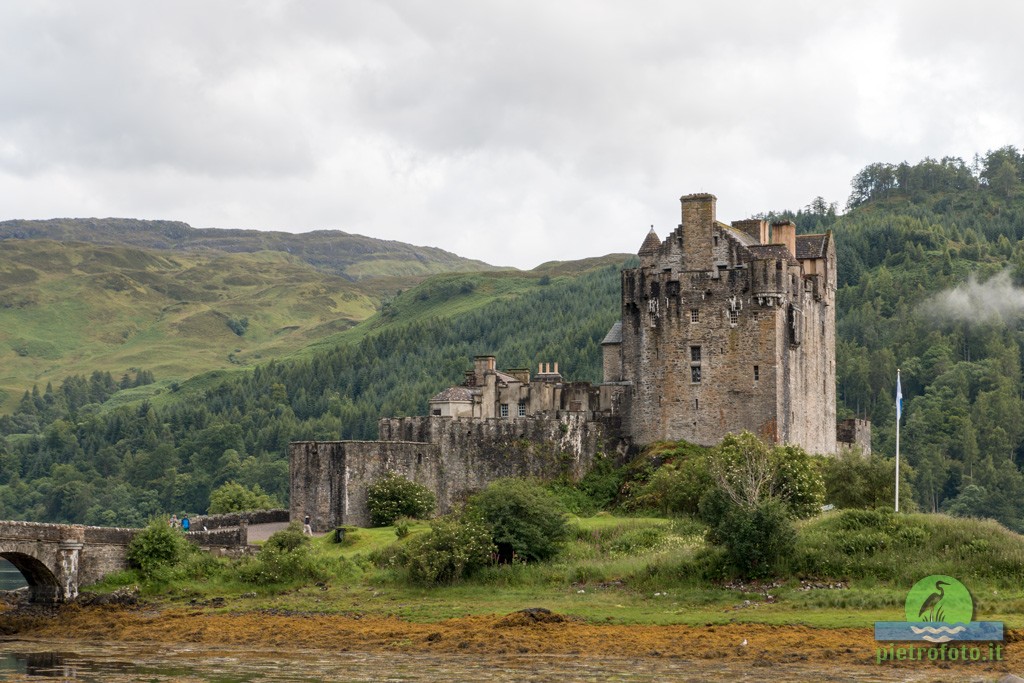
{"type": "Point", "coordinates": [931, 265]}
{"type": "Point", "coordinates": [355, 257]}
{"type": "Point", "coordinates": [69, 455]}
{"type": "Point", "coordinates": [911, 240]}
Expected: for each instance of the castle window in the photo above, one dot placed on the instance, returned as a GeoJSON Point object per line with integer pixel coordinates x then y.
{"type": "Point", "coordinates": [734, 317]}
{"type": "Point", "coordinates": [695, 374]}
{"type": "Point", "coordinates": [694, 315]}
{"type": "Point", "coordinates": [716, 240]}
{"type": "Point", "coordinates": [503, 410]}
{"type": "Point", "coordinates": [522, 409]}
{"type": "Point", "coordinates": [435, 411]}
{"type": "Point", "coordinates": [757, 373]}
{"type": "Point", "coordinates": [696, 404]}
{"type": "Point", "coordinates": [695, 354]}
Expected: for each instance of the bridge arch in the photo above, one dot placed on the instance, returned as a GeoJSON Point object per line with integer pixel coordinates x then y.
{"type": "Point", "coordinates": [43, 584]}
{"type": "Point", "coordinates": [47, 555]}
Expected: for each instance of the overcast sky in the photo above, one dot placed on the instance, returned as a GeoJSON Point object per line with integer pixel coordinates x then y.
{"type": "Point", "coordinates": [512, 132]}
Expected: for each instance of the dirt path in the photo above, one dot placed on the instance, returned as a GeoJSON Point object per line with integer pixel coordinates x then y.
{"type": "Point", "coordinates": [516, 634]}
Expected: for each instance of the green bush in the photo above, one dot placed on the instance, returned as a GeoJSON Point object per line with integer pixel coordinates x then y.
{"type": "Point", "coordinates": [455, 547]}
{"type": "Point", "coordinates": [288, 539]}
{"type": "Point", "coordinates": [685, 474]}
{"type": "Point", "coordinates": [677, 487]}
{"type": "Point", "coordinates": [602, 483]}
{"type": "Point", "coordinates": [286, 557]}
{"type": "Point", "coordinates": [232, 497]}
{"type": "Point", "coordinates": [401, 527]}
{"type": "Point", "coordinates": [749, 470]}
{"type": "Point", "coordinates": [394, 496]}
{"type": "Point", "coordinates": [853, 481]}
{"type": "Point", "coordinates": [273, 565]}
{"type": "Point", "coordinates": [755, 538]}
{"type": "Point", "coordinates": [527, 521]}
{"type": "Point", "coordinates": [157, 546]}
{"type": "Point", "coordinates": [885, 546]}
{"type": "Point", "coordinates": [597, 490]}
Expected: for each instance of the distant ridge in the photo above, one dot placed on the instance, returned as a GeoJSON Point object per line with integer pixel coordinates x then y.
{"type": "Point", "coordinates": [355, 257]}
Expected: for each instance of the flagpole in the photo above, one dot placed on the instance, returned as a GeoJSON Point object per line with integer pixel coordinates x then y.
{"type": "Point", "coordinates": [899, 411]}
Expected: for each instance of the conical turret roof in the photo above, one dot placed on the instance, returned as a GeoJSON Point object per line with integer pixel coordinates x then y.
{"type": "Point", "coordinates": [651, 243]}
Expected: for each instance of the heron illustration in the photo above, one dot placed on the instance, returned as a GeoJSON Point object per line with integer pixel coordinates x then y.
{"type": "Point", "coordinates": [933, 604]}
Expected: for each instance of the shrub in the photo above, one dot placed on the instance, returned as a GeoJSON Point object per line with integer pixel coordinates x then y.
{"type": "Point", "coordinates": [755, 538]}
{"type": "Point", "coordinates": [286, 557]}
{"type": "Point", "coordinates": [597, 490]}
{"type": "Point", "coordinates": [676, 488]}
{"type": "Point", "coordinates": [401, 527]}
{"type": "Point", "coordinates": [394, 496]}
{"type": "Point", "coordinates": [238, 325]}
{"type": "Point", "coordinates": [853, 481]}
{"type": "Point", "coordinates": [232, 497]}
{"type": "Point", "coordinates": [288, 539]}
{"type": "Point", "coordinates": [526, 520]}
{"type": "Point", "coordinates": [273, 565]}
{"type": "Point", "coordinates": [747, 470]}
{"type": "Point", "coordinates": [455, 547]}
{"type": "Point", "coordinates": [157, 546]}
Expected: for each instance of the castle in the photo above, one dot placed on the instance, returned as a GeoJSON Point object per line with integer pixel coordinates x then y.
{"type": "Point", "coordinates": [724, 328]}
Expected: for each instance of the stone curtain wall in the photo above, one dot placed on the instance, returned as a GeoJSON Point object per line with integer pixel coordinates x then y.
{"type": "Point", "coordinates": [453, 457]}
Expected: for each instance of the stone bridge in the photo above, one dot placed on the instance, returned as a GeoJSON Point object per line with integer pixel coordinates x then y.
{"type": "Point", "coordinates": [56, 559]}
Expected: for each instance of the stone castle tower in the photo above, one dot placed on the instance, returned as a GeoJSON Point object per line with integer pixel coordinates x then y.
{"type": "Point", "coordinates": [725, 328]}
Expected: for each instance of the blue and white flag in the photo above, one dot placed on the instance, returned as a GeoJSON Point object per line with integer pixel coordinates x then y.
{"type": "Point", "coordinates": [899, 397]}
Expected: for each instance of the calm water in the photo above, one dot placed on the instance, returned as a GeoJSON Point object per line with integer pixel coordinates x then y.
{"type": "Point", "coordinates": [116, 663]}
{"type": "Point", "coordinates": [10, 578]}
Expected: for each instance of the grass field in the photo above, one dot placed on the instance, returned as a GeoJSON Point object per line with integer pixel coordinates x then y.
{"type": "Point", "coordinates": [648, 570]}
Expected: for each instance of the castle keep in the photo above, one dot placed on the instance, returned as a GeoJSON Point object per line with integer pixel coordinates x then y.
{"type": "Point", "coordinates": [724, 328]}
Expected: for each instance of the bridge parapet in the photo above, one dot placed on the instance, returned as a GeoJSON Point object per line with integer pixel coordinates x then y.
{"type": "Point", "coordinates": [38, 531]}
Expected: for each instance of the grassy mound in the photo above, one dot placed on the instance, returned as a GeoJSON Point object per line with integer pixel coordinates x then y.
{"type": "Point", "coordinates": [884, 546]}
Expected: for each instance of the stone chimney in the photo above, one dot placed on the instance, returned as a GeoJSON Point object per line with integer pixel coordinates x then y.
{"type": "Point", "coordinates": [481, 366]}
{"type": "Point", "coordinates": [784, 232]}
{"type": "Point", "coordinates": [698, 222]}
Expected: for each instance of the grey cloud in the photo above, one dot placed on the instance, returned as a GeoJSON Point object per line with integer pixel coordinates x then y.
{"type": "Point", "coordinates": [515, 132]}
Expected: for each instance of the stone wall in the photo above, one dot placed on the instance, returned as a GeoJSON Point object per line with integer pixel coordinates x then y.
{"type": "Point", "coordinates": [453, 457]}
{"type": "Point", "coordinates": [228, 537]}
{"type": "Point", "coordinates": [854, 434]}
{"type": "Point", "coordinates": [234, 519]}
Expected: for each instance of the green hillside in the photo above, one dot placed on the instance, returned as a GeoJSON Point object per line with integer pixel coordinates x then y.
{"type": "Point", "coordinates": [354, 257]}
{"type": "Point", "coordinates": [69, 453]}
{"type": "Point", "coordinates": [68, 308]}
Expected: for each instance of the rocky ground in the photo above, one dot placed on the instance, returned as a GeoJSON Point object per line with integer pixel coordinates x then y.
{"type": "Point", "coordinates": [532, 631]}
